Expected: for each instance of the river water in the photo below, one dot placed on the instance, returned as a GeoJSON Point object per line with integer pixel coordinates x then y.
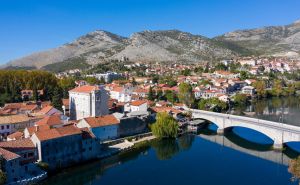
{"type": "Point", "coordinates": [191, 159]}
{"type": "Point", "coordinates": [283, 109]}
{"type": "Point", "coordinates": [241, 157]}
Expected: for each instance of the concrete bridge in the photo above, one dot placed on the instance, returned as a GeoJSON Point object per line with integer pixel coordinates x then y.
{"type": "Point", "coordinates": [280, 133]}
{"type": "Point", "coordinates": [270, 155]}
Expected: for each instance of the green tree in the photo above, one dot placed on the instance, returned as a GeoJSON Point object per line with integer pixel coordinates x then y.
{"type": "Point", "coordinates": [171, 96]}
{"type": "Point", "coordinates": [185, 94]}
{"type": "Point", "coordinates": [165, 126]}
{"type": "Point", "coordinates": [186, 72]}
{"type": "Point", "coordinates": [57, 99]}
{"type": "Point", "coordinates": [291, 89]}
{"type": "Point", "coordinates": [159, 94]}
{"type": "Point", "coordinates": [244, 75]}
{"type": "Point", "coordinates": [2, 177]}
{"type": "Point", "coordinates": [294, 168]}
{"type": "Point", "coordinates": [220, 66]}
{"type": "Point", "coordinates": [260, 87]}
{"type": "Point", "coordinates": [66, 84]}
{"type": "Point", "coordinates": [277, 88]}
{"type": "Point", "coordinates": [92, 80]}
{"type": "Point", "coordinates": [134, 83]}
{"type": "Point", "coordinates": [241, 99]}
{"type": "Point", "coordinates": [151, 95]}
{"type": "Point", "coordinates": [169, 80]}
{"type": "Point", "coordinates": [213, 104]}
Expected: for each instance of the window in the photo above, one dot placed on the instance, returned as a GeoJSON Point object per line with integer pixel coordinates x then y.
{"type": "Point", "coordinates": [2, 127]}
{"type": "Point", "coordinates": [7, 126]}
{"type": "Point", "coordinates": [31, 154]}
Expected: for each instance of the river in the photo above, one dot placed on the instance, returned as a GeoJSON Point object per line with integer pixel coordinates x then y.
{"type": "Point", "coordinates": [239, 157]}
{"type": "Point", "coordinates": [283, 109]}
{"type": "Point", "coordinates": [192, 159]}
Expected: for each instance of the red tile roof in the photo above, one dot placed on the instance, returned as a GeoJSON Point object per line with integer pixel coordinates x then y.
{"type": "Point", "coordinates": [33, 129]}
{"type": "Point", "coordinates": [57, 133]}
{"type": "Point", "coordinates": [17, 135]}
{"type": "Point", "coordinates": [138, 102]}
{"type": "Point", "coordinates": [46, 109]}
{"type": "Point", "coordinates": [7, 154]}
{"type": "Point", "coordinates": [117, 89]}
{"type": "Point", "coordinates": [85, 89]}
{"type": "Point", "coordinates": [13, 119]}
{"type": "Point", "coordinates": [102, 121]}
{"type": "Point", "coordinates": [18, 145]}
{"type": "Point", "coordinates": [50, 120]}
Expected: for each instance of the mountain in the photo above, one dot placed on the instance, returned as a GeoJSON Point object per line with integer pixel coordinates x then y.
{"type": "Point", "coordinates": [272, 40]}
{"type": "Point", "coordinates": [98, 44]}
{"type": "Point", "coordinates": [158, 46]}
{"type": "Point", "coordinates": [166, 46]}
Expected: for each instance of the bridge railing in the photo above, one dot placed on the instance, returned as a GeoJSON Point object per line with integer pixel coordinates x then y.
{"type": "Point", "coordinates": [256, 121]}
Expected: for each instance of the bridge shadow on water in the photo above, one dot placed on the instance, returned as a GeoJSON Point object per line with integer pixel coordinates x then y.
{"type": "Point", "coordinates": [251, 139]}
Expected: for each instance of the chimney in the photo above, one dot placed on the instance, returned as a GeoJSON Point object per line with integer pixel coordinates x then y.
{"type": "Point", "coordinates": [36, 128]}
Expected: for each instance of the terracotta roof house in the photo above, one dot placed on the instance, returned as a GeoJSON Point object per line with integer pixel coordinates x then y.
{"type": "Point", "coordinates": [52, 121]}
{"type": "Point", "coordinates": [15, 136]}
{"type": "Point", "coordinates": [23, 147]}
{"type": "Point", "coordinates": [12, 123]}
{"type": "Point", "coordinates": [65, 146]}
{"type": "Point", "coordinates": [139, 105]}
{"type": "Point", "coordinates": [49, 110]}
{"type": "Point", "coordinates": [103, 127]}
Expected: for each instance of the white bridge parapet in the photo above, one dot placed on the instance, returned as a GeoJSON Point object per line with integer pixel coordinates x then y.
{"type": "Point", "coordinates": [280, 133]}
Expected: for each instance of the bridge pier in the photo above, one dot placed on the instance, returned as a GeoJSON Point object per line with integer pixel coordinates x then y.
{"type": "Point", "coordinates": [220, 131]}
{"type": "Point", "coordinates": [278, 146]}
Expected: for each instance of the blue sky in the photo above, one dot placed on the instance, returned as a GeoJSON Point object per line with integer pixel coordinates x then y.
{"type": "Point", "coordinates": [28, 26]}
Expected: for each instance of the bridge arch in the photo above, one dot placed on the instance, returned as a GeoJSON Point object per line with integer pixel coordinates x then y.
{"type": "Point", "coordinates": [249, 136]}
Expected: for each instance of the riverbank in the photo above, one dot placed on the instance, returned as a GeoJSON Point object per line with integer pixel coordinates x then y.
{"type": "Point", "coordinates": [114, 147]}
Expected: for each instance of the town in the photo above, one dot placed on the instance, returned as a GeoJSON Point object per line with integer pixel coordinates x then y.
{"type": "Point", "coordinates": [88, 111]}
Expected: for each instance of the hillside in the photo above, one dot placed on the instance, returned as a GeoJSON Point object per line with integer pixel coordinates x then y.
{"type": "Point", "coordinates": [100, 46]}
{"type": "Point", "coordinates": [165, 46]}
{"type": "Point", "coordinates": [272, 40]}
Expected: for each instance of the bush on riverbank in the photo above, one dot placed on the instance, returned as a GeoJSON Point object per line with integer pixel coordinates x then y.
{"type": "Point", "coordinates": [43, 165]}
{"type": "Point", "coordinates": [165, 126]}
{"type": "Point", "coordinates": [294, 168]}
{"type": "Point", "coordinates": [2, 177]}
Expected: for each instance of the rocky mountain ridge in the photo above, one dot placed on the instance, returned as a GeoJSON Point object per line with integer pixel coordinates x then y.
{"type": "Point", "coordinates": [169, 46]}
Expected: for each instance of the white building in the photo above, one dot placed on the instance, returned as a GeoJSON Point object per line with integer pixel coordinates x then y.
{"type": "Point", "coordinates": [122, 94]}
{"type": "Point", "coordinates": [108, 76]}
{"type": "Point", "coordinates": [87, 101]}
{"type": "Point", "coordinates": [139, 105]}
{"type": "Point", "coordinates": [248, 90]}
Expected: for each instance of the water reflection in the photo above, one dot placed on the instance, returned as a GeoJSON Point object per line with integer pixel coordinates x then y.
{"type": "Point", "coordinates": [187, 152]}
{"type": "Point", "coordinates": [279, 109]}
{"type": "Point", "coordinates": [185, 142]}
{"type": "Point", "coordinates": [165, 148]}
{"type": "Point", "coordinates": [245, 143]}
